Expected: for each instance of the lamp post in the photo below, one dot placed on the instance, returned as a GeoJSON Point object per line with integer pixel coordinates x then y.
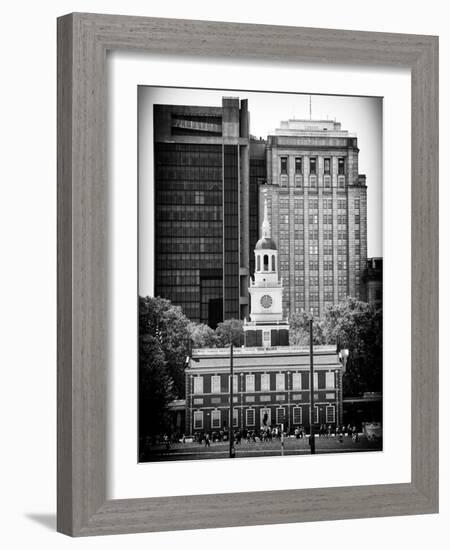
{"type": "Point", "coordinates": [343, 356]}
{"type": "Point", "coordinates": [289, 402]}
{"type": "Point", "coordinates": [312, 441]}
{"type": "Point", "coordinates": [241, 376]}
{"type": "Point", "coordinates": [231, 424]}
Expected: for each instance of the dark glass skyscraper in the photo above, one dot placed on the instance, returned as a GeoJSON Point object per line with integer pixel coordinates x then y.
{"type": "Point", "coordinates": [201, 205]}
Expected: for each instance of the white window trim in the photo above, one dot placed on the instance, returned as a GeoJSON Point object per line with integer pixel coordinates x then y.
{"type": "Point", "coordinates": [247, 423]}
{"type": "Point", "coordinates": [333, 408]}
{"type": "Point", "coordinates": [329, 377]}
{"type": "Point", "coordinates": [278, 409]}
{"type": "Point", "coordinates": [266, 385]}
{"type": "Point", "coordinates": [316, 380]}
{"type": "Point", "coordinates": [215, 378]}
{"type": "Point", "coordinates": [249, 377]}
{"type": "Point", "coordinates": [235, 418]}
{"type": "Point", "coordinates": [300, 410]}
{"type": "Point", "coordinates": [280, 381]}
{"type": "Point", "coordinates": [216, 414]}
{"type": "Point", "coordinates": [198, 414]}
{"type": "Point", "coordinates": [198, 385]}
{"type": "Point", "coordinates": [297, 376]}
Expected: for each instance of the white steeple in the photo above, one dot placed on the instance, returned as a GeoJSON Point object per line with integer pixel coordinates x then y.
{"type": "Point", "coordinates": [266, 233]}
{"type": "Point", "coordinates": [266, 327]}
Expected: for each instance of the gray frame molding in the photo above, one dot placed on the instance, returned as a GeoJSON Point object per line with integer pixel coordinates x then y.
{"type": "Point", "coordinates": [83, 40]}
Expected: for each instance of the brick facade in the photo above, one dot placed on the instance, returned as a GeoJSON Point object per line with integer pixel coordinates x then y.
{"type": "Point", "coordinates": [272, 382]}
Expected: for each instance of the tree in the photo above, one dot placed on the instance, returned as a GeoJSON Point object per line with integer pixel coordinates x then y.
{"type": "Point", "coordinates": [299, 330]}
{"type": "Point", "coordinates": [202, 336]}
{"type": "Point", "coordinates": [160, 318]}
{"type": "Point", "coordinates": [155, 388]}
{"type": "Point", "coordinates": [229, 331]}
{"type": "Point", "coordinates": [357, 326]}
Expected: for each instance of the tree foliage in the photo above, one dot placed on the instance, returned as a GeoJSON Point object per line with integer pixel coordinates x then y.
{"type": "Point", "coordinates": [350, 324]}
{"type": "Point", "coordinates": [160, 318]}
{"type": "Point", "coordinates": [229, 331]}
{"type": "Point", "coordinates": [155, 388]}
{"type": "Point", "coordinates": [358, 327]}
{"type": "Point", "coordinates": [202, 336]}
{"type": "Point", "coordinates": [299, 330]}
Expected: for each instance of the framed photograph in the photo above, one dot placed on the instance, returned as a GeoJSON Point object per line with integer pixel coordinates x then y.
{"type": "Point", "coordinates": [235, 295]}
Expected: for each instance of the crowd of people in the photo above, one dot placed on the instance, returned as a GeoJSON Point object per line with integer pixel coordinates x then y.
{"type": "Point", "coordinates": [270, 433]}
{"type": "Point", "coordinates": [263, 435]}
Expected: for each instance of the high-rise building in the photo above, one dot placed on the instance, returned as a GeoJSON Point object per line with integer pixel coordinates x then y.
{"type": "Point", "coordinates": [373, 277]}
{"type": "Point", "coordinates": [201, 208]}
{"type": "Point", "coordinates": [258, 176]}
{"type": "Point", "coordinates": [318, 212]}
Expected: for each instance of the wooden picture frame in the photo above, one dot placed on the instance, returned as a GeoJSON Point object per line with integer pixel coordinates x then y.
{"type": "Point", "coordinates": [83, 40]}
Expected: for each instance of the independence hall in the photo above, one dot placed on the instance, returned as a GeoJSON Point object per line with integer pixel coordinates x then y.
{"type": "Point", "coordinates": [270, 378]}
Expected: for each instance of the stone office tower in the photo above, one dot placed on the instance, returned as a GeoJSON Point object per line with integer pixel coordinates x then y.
{"type": "Point", "coordinates": [201, 208]}
{"type": "Point", "coordinates": [318, 212]}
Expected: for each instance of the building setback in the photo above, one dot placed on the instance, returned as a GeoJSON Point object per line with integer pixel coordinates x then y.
{"type": "Point", "coordinates": [373, 278]}
{"type": "Point", "coordinates": [318, 212]}
{"type": "Point", "coordinates": [201, 209]}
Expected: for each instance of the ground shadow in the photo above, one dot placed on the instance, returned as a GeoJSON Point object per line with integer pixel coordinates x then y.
{"type": "Point", "coordinates": [47, 520]}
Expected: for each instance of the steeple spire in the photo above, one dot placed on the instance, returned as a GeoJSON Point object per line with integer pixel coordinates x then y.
{"type": "Point", "coordinates": [265, 224]}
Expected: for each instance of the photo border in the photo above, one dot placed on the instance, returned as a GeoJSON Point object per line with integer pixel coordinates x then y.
{"type": "Point", "coordinates": [83, 198]}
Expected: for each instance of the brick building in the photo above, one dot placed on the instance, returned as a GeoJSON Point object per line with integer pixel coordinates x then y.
{"type": "Point", "coordinates": [318, 211]}
{"type": "Point", "coordinates": [271, 387]}
{"type": "Point", "coordinates": [270, 378]}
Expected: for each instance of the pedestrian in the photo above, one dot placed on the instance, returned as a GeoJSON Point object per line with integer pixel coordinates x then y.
{"type": "Point", "coordinates": [166, 442]}
{"type": "Point", "coordinates": [207, 440]}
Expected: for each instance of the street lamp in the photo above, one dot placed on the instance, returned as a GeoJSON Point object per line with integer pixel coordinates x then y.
{"type": "Point", "coordinates": [241, 376]}
{"type": "Point", "coordinates": [343, 356]}
{"type": "Point", "coordinates": [289, 402]}
{"type": "Point", "coordinates": [312, 441]}
{"type": "Point", "coordinates": [231, 423]}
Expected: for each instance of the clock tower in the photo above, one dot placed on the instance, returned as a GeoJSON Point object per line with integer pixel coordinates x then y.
{"type": "Point", "coordinates": [266, 327]}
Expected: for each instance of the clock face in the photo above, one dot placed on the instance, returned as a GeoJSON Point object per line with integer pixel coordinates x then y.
{"type": "Point", "coordinates": [266, 301]}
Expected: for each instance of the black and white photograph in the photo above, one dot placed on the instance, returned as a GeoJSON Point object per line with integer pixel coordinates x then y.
{"type": "Point", "coordinates": [260, 274]}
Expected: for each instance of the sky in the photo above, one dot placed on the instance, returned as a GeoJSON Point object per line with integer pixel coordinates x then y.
{"type": "Point", "coordinates": [362, 116]}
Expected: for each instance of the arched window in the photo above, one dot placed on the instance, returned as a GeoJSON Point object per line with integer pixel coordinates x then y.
{"type": "Point", "coordinates": [273, 262]}
{"type": "Point", "coordinates": [258, 263]}
{"type": "Point", "coordinates": [266, 262]}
